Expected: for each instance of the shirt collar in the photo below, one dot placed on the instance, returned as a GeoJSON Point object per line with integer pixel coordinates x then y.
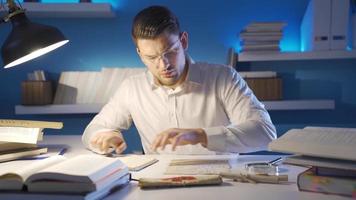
{"type": "Point", "coordinates": [193, 76]}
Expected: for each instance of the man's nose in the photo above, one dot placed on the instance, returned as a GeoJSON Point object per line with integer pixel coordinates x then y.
{"type": "Point", "coordinates": [164, 62]}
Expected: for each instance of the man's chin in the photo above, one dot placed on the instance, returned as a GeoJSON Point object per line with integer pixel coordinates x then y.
{"type": "Point", "coordinates": [168, 81]}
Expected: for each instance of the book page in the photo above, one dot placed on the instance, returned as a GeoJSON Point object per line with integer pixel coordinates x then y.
{"type": "Point", "coordinates": [34, 167]}
{"type": "Point", "coordinates": [82, 168]}
{"type": "Point", "coordinates": [137, 162]}
{"type": "Point", "coordinates": [24, 168]}
{"type": "Point", "coordinates": [323, 136]}
{"type": "Point", "coordinates": [197, 166]}
{"type": "Point", "coordinates": [328, 143]}
{"type": "Point", "coordinates": [20, 134]}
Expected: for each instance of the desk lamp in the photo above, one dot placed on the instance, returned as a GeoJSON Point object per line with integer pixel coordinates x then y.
{"type": "Point", "coordinates": [27, 40]}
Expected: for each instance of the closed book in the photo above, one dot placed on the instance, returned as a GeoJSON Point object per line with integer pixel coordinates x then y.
{"type": "Point", "coordinates": [315, 27]}
{"type": "Point", "coordinates": [19, 153]}
{"type": "Point", "coordinates": [266, 88]}
{"type": "Point", "coordinates": [260, 47]}
{"type": "Point", "coordinates": [265, 27]}
{"type": "Point", "coordinates": [57, 174]}
{"type": "Point", "coordinates": [310, 181]}
{"type": "Point", "coordinates": [310, 161]}
{"type": "Point", "coordinates": [326, 171]}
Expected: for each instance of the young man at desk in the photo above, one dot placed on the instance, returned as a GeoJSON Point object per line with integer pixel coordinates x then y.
{"type": "Point", "coordinates": [195, 108]}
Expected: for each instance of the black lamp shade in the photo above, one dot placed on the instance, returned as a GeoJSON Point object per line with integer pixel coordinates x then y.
{"type": "Point", "coordinates": [28, 40]}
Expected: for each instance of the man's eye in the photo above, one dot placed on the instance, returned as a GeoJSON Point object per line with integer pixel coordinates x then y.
{"type": "Point", "coordinates": [151, 58]}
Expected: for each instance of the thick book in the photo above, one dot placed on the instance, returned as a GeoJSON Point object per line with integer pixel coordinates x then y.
{"type": "Point", "coordinates": [95, 195]}
{"type": "Point", "coordinates": [80, 174]}
{"type": "Point", "coordinates": [325, 142]}
{"type": "Point", "coordinates": [310, 161]}
{"type": "Point", "coordinates": [310, 181]}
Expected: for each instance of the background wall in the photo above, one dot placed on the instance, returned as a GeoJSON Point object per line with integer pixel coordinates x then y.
{"type": "Point", "coordinates": [213, 27]}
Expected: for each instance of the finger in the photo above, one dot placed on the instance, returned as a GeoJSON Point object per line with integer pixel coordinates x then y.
{"type": "Point", "coordinates": [164, 140]}
{"type": "Point", "coordinates": [121, 148]}
{"type": "Point", "coordinates": [94, 140]}
{"type": "Point", "coordinates": [156, 142]}
{"type": "Point", "coordinates": [176, 141]}
{"type": "Point", "coordinates": [99, 141]}
{"type": "Point", "coordinates": [106, 144]}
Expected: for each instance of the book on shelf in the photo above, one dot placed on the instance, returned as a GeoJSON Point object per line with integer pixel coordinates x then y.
{"type": "Point", "coordinates": [266, 88]}
{"type": "Point", "coordinates": [277, 33]}
{"type": "Point", "coordinates": [260, 47]}
{"type": "Point", "coordinates": [265, 27]}
{"type": "Point", "coordinates": [274, 38]}
{"type": "Point", "coordinates": [312, 182]}
{"type": "Point", "coordinates": [57, 174]}
{"type": "Point", "coordinates": [325, 142]}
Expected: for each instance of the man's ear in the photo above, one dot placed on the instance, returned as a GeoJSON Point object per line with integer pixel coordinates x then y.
{"type": "Point", "coordinates": [138, 51]}
{"type": "Point", "coordinates": [184, 39]}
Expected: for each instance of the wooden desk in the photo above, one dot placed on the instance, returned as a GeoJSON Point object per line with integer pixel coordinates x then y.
{"type": "Point", "coordinates": [228, 191]}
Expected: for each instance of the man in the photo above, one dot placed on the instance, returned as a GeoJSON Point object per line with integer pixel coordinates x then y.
{"type": "Point", "coordinates": [191, 107]}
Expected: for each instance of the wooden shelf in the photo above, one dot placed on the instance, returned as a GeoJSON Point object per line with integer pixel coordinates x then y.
{"type": "Point", "coordinates": [59, 109]}
{"type": "Point", "coordinates": [68, 10]}
{"type": "Point", "coordinates": [95, 108]}
{"type": "Point", "coordinates": [285, 56]}
{"type": "Point", "coordinates": [300, 105]}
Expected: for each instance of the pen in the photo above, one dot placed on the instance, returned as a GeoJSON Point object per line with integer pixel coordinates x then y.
{"type": "Point", "coordinates": [272, 162]}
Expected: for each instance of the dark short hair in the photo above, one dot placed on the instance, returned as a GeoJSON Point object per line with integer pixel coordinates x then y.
{"type": "Point", "coordinates": [150, 22]}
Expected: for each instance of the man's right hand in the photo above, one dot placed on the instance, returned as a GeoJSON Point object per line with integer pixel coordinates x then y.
{"type": "Point", "coordinates": [108, 141]}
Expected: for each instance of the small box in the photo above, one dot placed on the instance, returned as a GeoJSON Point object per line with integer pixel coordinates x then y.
{"type": "Point", "coordinates": [36, 93]}
{"type": "Point", "coordinates": [266, 88]}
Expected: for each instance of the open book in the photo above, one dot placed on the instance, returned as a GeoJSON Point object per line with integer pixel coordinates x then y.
{"type": "Point", "coordinates": [337, 143]}
{"type": "Point", "coordinates": [80, 174]}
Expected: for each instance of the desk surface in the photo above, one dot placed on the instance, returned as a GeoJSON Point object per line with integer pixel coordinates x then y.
{"type": "Point", "coordinates": [229, 189]}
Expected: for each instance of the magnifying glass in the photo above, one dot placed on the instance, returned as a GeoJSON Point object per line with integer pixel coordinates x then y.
{"type": "Point", "coordinates": [270, 168]}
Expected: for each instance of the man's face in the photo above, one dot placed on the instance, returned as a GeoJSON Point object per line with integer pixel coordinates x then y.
{"type": "Point", "coordinates": [164, 57]}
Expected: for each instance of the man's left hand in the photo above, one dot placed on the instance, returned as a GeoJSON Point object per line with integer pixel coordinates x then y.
{"type": "Point", "coordinates": [177, 137]}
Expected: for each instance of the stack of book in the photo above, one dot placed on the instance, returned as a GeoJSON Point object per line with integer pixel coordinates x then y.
{"type": "Point", "coordinates": [264, 84]}
{"type": "Point", "coordinates": [261, 36]}
{"type": "Point", "coordinates": [329, 153]}
{"type": "Point", "coordinates": [18, 138]}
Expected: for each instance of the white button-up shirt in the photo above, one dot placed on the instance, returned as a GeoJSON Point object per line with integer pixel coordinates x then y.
{"type": "Point", "coordinates": [213, 97]}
